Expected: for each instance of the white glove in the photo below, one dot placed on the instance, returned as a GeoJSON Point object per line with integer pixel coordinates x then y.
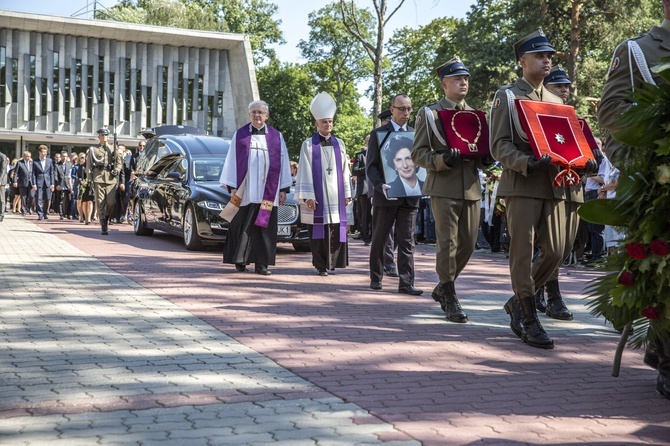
{"type": "Point", "coordinates": [385, 188]}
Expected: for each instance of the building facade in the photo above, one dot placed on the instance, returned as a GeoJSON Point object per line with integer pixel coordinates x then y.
{"type": "Point", "coordinates": [62, 78]}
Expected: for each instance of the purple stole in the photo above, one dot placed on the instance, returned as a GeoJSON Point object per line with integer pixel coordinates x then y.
{"type": "Point", "coordinates": [317, 179]}
{"type": "Point", "coordinates": [242, 144]}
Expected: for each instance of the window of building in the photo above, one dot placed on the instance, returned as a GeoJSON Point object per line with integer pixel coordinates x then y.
{"type": "Point", "coordinates": [78, 76]}
{"type": "Point", "coordinates": [149, 101]}
{"type": "Point", "coordinates": [189, 99]}
{"type": "Point", "coordinates": [201, 87]}
{"type": "Point", "coordinates": [127, 90]}
{"type": "Point", "coordinates": [67, 93]}
{"type": "Point", "coordinates": [89, 90]}
{"type": "Point", "coordinates": [180, 93]}
{"type": "Point", "coordinates": [55, 99]}
{"type": "Point", "coordinates": [112, 96]}
{"type": "Point", "coordinates": [15, 80]}
{"type": "Point", "coordinates": [210, 112]}
{"type": "Point", "coordinates": [138, 89]}
{"type": "Point", "coordinates": [3, 54]}
{"type": "Point", "coordinates": [164, 95]}
{"type": "Point", "coordinates": [43, 102]}
{"type": "Point", "coordinates": [219, 103]}
{"type": "Point", "coordinates": [33, 88]}
{"type": "Point", "coordinates": [101, 79]}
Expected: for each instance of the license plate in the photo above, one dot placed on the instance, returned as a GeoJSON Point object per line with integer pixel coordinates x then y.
{"type": "Point", "coordinates": [284, 230]}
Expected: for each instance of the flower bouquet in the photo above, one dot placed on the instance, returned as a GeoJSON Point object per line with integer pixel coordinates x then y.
{"type": "Point", "coordinates": [636, 288]}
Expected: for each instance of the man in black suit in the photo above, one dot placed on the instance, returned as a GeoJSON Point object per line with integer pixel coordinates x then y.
{"type": "Point", "coordinates": [43, 182]}
{"type": "Point", "coordinates": [23, 179]}
{"type": "Point", "coordinates": [362, 198]}
{"type": "Point", "coordinates": [4, 162]}
{"type": "Point", "coordinates": [385, 211]}
{"type": "Point", "coordinates": [63, 187]}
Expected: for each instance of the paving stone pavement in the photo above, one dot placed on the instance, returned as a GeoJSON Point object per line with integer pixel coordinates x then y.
{"type": "Point", "coordinates": [401, 371]}
{"type": "Point", "coordinates": [88, 356]}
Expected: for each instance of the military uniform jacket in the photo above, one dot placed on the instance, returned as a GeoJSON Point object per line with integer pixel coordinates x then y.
{"type": "Point", "coordinates": [97, 160]}
{"type": "Point", "coordinates": [616, 99]}
{"type": "Point", "coordinates": [460, 182]}
{"type": "Point", "coordinates": [513, 151]}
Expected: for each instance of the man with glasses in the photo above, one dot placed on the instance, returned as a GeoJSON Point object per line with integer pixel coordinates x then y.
{"type": "Point", "coordinates": [256, 173]}
{"type": "Point", "coordinates": [387, 211]}
{"type": "Point", "coordinates": [453, 186]}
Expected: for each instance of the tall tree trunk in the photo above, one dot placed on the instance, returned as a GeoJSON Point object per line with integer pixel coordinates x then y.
{"type": "Point", "coordinates": [575, 31]}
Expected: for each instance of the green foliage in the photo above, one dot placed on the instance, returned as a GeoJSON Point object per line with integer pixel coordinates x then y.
{"type": "Point", "coordinates": [352, 128]}
{"type": "Point", "coordinates": [641, 207]}
{"type": "Point", "coordinates": [413, 56]}
{"type": "Point", "coordinates": [288, 89]}
{"type": "Point", "coordinates": [252, 17]}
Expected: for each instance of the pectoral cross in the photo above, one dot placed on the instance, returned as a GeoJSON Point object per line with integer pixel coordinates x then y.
{"type": "Point", "coordinates": [329, 170]}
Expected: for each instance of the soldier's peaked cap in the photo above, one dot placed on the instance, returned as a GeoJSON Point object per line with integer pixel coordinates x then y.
{"type": "Point", "coordinates": [535, 42]}
{"type": "Point", "coordinates": [557, 76]}
{"type": "Point", "coordinates": [103, 132]}
{"type": "Point", "coordinates": [453, 67]}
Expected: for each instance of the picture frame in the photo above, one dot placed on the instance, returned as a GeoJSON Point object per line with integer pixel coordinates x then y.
{"type": "Point", "coordinates": [405, 178]}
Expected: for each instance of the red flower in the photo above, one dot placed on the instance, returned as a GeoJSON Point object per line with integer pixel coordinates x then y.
{"type": "Point", "coordinates": [626, 278]}
{"type": "Point", "coordinates": [637, 250]}
{"type": "Point", "coordinates": [651, 313]}
{"type": "Point", "coordinates": [660, 247]}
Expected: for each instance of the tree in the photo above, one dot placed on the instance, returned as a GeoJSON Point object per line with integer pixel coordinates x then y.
{"type": "Point", "coordinates": [288, 89]}
{"type": "Point", "coordinates": [373, 45]}
{"type": "Point", "coordinates": [252, 17]}
{"type": "Point", "coordinates": [414, 54]}
{"type": "Point", "coordinates": [335, 58]}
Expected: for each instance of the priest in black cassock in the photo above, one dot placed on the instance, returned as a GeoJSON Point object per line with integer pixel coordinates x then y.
{"type": "Point", "coordinates": [324, 188]}
{"type": "Point", "coordinates": [257, 175]}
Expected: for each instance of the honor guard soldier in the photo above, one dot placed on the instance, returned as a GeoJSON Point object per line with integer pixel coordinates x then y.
{"type": "Point", "coordinates": [559, 83]}
{"type": "Point", "coordinates": [453, 185]}
{"type": "Point", "coordinates": [535, 209]}
{"type": "Point", "coordinates": [105, 170]}
{"type": "Point", "coordinates": [629, 70]}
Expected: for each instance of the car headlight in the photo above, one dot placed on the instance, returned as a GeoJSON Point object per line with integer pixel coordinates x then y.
{"type": "Point", "coordinates": [211, 205]}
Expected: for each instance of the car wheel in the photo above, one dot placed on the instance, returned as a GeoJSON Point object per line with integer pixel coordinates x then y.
{"type": "Point", "coordinates": [301, 246]}
{"type": "Point", "coordinates": [192, 239]}
{"type": "Point", "coordinates": [140, 221]}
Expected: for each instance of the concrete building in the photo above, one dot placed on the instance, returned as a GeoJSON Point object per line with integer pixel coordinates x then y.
{"type": "Point", "coordinates": [62, 78]}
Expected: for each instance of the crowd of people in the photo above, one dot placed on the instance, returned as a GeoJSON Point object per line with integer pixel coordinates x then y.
{"type": "Point", "coordinates": [460, 192]}
{"type": "Point", "coordinates": [63, 187]}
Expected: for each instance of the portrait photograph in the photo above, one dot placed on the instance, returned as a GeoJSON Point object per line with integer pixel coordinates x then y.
{"type": "Point", "coordinates": [405, 178]}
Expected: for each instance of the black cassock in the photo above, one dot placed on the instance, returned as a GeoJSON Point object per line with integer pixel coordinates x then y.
{"type": "Point", "coordinates": [247, 243]}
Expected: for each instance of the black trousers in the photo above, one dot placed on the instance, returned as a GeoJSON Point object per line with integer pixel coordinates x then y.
{"type": "Point", "coordinates": [383, 218]}
{"type": "Point", "coordinates": [364, 216]}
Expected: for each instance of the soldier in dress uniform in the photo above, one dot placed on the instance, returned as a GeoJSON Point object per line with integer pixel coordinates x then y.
{"type": "Point", "coordinates": [535, 209]}
{"type": "Point", "coordinates": [628, 74]}
{"type": "Point", "coordinates": [105, 169]}
{"type": "Point", "coordinates": [453, 186]}
{"type": "Point", "coordinates": [559, 83]}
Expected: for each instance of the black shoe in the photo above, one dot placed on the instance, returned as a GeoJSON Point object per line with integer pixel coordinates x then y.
{"type": "Point", "coordinates": [322, 271]}
{"type": "Point", "coordinates": [366, 243]}
{"type": "Point", "coordinates": [375, 285]}
{"type": "Point", "coordinates": [46, 217]}
{"type": "Point", "coordinates": [516, 315]}
{"type": "Point", "coordinates": [262, 270]}
{"type": "Point", "coordinates": [40, 217]}
{"type": "Point", "coordinates": [409, 289]}
{"type": "Point", "coordinates": [555, 306]}
{"type": "Point", "coordinates": [445, 294]}
{"type": "Point", "coordinates": [540, 302]}
{"type": "Point", "coordinates": [240, 267]}
{"type": "Point", "coordinates": [391, 272]}
{"type": "Point", "coordinates": [532, 332]}
{"type": "Point", "coordinates": [357, 237]}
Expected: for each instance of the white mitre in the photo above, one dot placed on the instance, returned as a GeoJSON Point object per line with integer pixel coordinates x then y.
{"type": "Point", "coordinates": [323, 106]}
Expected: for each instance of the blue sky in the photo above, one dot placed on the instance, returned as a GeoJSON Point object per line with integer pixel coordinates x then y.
{"type": "Point", "coordinates": [293, 14]}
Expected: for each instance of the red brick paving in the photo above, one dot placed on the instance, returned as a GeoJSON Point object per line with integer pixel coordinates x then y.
{"type": "Point", "coordinates": [395, 355]}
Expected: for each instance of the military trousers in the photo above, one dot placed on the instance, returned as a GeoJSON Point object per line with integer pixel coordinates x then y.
{"type": "Point", "coordinates": [534, 223]}
{"type": "Point", "coordinates": [456, 228]}
{"type": "Point", "coordinates": [571, 227]}
{"type": "Point", "coordinates": [105, 198]}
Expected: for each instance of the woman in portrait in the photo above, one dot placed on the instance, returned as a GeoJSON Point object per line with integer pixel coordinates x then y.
{"type": "Point", "coordinates": [398, 151]}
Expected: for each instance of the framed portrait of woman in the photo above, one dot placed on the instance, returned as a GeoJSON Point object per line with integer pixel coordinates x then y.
{"type": "Point", "coordinates": [405, 178]}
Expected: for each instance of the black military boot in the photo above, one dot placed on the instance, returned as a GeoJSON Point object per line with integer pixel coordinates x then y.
{"type": "Point", "coordinates": [532, 333]}
{"type": "Point", "coordinates": [555, 306]}
{"type": "Point", "coordinates": [540, 303]}
{"type": "Point", "coordinates": [513, 308]}
{"type": "Point", "coordinates": [445, 294]}
{"type": "Point", "coordinates": [103, 224]}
